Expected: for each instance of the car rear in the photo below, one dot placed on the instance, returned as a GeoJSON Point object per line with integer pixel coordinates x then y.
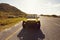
{"type": "Point", "coordinates": [31, 22]}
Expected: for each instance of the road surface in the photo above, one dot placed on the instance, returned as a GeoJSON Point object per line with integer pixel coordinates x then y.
{"type": "Point", "coordinates": [50, 27]}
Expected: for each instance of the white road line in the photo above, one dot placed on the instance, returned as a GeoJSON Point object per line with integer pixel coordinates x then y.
{"type": "Point", "coordinates": [13, 34]}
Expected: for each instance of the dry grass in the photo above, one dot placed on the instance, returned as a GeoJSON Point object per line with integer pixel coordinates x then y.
{"type": "Point", "coordinates": [7, 23]}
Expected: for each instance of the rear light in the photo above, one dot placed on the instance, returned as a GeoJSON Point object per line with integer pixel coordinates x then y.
{"type": "Point", "coordinates": [37, 23]}
{"type": "Point", "coordinates": [24, 23]}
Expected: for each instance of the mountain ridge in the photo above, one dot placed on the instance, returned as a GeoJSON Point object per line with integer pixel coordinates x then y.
{"type": "Point", "coordinates": [7, 9]}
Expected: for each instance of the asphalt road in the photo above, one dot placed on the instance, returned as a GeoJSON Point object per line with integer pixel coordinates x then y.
{"type": "Point", "coordinates": [50, 30]}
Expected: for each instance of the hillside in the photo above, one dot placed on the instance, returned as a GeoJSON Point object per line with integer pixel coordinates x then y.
{"type": "Point", "coordinates": [7, 10]}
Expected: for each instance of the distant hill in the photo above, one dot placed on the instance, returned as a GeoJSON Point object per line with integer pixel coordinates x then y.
{"type": "Point", "coordinates": [7, 10]}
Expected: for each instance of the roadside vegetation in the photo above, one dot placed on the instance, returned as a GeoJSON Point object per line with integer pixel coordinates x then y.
{"type": "Point", "coordinates": [50, 15]}
{"type": "Point", "coordinates": [8, 23]}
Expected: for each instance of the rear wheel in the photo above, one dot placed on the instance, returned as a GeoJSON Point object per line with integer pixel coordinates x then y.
{"type": "Point", "coordinates": [23, 24]}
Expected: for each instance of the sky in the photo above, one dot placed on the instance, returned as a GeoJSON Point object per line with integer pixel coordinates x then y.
{"type": "Point", "coordinates": [47, 7]}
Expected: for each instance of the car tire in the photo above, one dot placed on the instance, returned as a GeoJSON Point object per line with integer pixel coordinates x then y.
{"type": "Point", "coordinates": [23, 24]}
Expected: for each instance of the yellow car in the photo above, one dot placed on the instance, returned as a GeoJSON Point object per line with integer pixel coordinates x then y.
{"type": "Point", "coordinates": [32, 22]}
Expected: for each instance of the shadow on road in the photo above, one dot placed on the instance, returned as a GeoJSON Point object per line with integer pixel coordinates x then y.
{"type": "Point", "coordinates": [31, 35]}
